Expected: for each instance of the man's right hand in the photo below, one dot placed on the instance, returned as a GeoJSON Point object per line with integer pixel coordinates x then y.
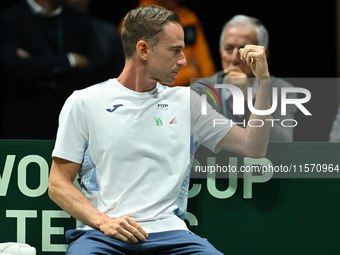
{"type": "Point", "coordinates": [63, 192]}
{"type": "Point", "coordinates": [124, 229]}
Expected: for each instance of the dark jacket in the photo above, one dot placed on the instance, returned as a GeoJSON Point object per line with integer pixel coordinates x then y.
{"type": "Point", "coordinates": [36, 87]}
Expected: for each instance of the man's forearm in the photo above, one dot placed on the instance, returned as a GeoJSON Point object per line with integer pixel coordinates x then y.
{"type": "Point", "coordinates": [258, 135]}
{"type": "Point", "coordinates": [64, 193]}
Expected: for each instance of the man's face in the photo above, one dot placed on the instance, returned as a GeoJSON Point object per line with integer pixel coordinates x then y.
{"type": "Point", "coordinates": [236, 37]}
{"type": "Point", "coordinates": [167, 58]}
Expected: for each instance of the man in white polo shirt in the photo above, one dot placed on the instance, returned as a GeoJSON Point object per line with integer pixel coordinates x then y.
{"type": "Point", "coordinates": [132, 141]}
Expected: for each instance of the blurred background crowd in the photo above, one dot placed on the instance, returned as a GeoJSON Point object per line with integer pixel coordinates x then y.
{"type": "Point", "coordinates": [85, 49]}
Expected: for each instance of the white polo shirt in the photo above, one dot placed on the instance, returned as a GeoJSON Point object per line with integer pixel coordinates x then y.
{"type": "Point", "coordinates": [136, 149]}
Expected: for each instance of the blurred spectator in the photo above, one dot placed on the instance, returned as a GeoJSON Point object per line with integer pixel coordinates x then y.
{"type": "Point", "coordinates": [46, 52]}
{"type": "Point", "coordinates": [108, 38]}
{"type": "Point", "coordinates": [335, 132]}
{"type": "Point", "coordinates": [196, 51]}
{"type": "Point", "coordinates": [236, 33]}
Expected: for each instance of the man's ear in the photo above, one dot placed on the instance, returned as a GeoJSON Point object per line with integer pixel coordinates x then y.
{"type": "Point", "coordinates": [143, 49]}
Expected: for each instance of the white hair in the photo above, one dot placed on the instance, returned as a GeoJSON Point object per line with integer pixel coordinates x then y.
{"type": "Point", "coordinates": [261, 31]}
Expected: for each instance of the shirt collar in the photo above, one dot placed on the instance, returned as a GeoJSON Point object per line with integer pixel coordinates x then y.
{"type": "Point", "coordinates": [39, 10]}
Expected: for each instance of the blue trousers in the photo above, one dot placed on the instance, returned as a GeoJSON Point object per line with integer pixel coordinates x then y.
{"type": "Point", "coordinates": [161, 243]}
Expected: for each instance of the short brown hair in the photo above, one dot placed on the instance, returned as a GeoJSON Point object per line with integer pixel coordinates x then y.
{"type": "Point", "coordinates": [144, 23]}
